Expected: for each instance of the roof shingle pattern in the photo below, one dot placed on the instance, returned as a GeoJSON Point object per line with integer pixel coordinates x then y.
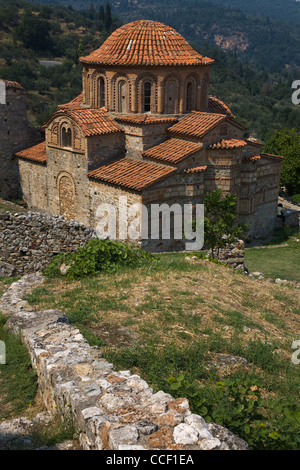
{"type": "Point", "coordinates": [37, 153]}
{"type": "Point", "coordinates": [217, 106]}
{"type": "Point", "coordinates": [75, 103]}
{"type": "Point", "coordinates": [145, 119]}
{"type": "Point", "coordinates": [195, 169]}
{"type": "Point", "coordinates": [133, 174]}
{"type": "Point", "coordinates": [225, 144]}
{"type": "Point", "coordinates": [146, 43]}
{"type": "Point", "coordinates": [92, 121]}
{"type": "Point", "coordinates": [197, 124]}
{"type": "Point", "coordinates": [10, 84]}
{"type": "Point", "coordinates": [172, 151]}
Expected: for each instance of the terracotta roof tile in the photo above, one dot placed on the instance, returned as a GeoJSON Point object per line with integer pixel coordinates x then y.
{"type": "Point", "coordinates": [217, 106]}
{"type": "Point", "coordinates": [144, 119]}
{"type": "Point", "coordinates": [75, 103]}
{"type": "Point", "coordinates": [254, 142]}
{"type": "Point", "coordinates": [10, 84]}
{"type": "Point", "coordinates": [37, 153]}
{"type": "Point", "coordinates": [131, 173]}
{"type": "Point", "coordinates": [195, 169]}
{"type": "Point", "coordinates": [146, 43]}
{"type": "Point", "coordinates": [92, 121]}
{"type": "Point", "coordinates": [196, 124]}
{"type": "Point", "coordinates": [269, 155]}
{"type": "Point", "coordinates": [225, 144]}
{"type": "Point", "coordinates": [172, 151]}
{"type": "Point", "coordinates": [251, 158]}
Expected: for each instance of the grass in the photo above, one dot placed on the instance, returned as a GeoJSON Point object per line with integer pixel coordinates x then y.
{"type": "Point", "coordinates": [279, 261]}
{"type": "Point", "coordinates": [18, 381]}
{"type": "Point", "coordinates": [172, 322]}
{"type": "Point", "coordinates": [172, 319]}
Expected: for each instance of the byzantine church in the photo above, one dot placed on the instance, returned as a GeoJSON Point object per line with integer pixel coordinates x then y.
{"type": "Point", "coordinates": [146, 128]}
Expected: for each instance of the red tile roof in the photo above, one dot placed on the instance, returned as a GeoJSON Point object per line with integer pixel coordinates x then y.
{"type": "Point", "coordinates": [225, 144]}
{"type": "Point", "coordinates": [37, 153]}
{"type": "Point", "coordinates": [195, 169]}
{"type": "Point", "coordinates": [131, 173]}
{"type": "Point", "coordinates": [10, 84]}
{"type": "Point", "coordinates": [197, 124]}
{"type": "Point", "coordinates": [172, 151]}
{"type": "Point", "coordinates": [92, 121]}
{"type": "Point", "coordinates": [269, 155]}
{"type": "Point", "coordinates": [217, 106]}
{"type": "Point", "coordinates": [75, 103]}
{"type": "Point", "coordinates": [251, 158]}
{"type": "Point", "coordinates": [144, 119]}
{"type": "Point", "coordinates": [146, 43]}
{"type": "Point", "coordinates": [254, 142]}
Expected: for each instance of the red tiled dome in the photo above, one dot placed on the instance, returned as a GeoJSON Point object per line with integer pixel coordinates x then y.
{"type": "Point", "coordinates": [146, 43]}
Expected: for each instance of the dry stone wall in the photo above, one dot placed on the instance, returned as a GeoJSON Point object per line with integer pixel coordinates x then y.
{"type": "Point", "coordinates": [28, 241]}
{"type": "Point", "coordinates": [111, 410]}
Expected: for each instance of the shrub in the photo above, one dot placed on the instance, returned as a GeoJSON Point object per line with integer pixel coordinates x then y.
{"type": "Point", "coordinates": [96, 257]}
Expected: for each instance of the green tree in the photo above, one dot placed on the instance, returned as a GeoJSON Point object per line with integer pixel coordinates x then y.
{"type": "Point", "coordinates": [286, 142]}
{"type": "Point", "coordinates": [101, 15]}
{"type": "Point", "coordinates": [34, 32]}
{"type": "Point", "coordinates": [108, 18]}
{"type": "Point", "coordinates": [220, 220]}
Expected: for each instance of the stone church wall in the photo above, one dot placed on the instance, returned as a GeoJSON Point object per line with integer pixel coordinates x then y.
{"type": "Point", "coordinates": [67, 184]}
{"type": "Point", "coordinates": [33, 182]}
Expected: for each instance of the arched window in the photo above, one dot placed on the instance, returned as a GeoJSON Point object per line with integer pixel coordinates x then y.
{"type": "Point", "coordinates": [190, 97]}
{"type": "Point", "coordinates": [66, 137]}
{"type": "Point", "coordinates": [101, 92]}
{"type": "Point", "coordinates": [122, 97]}
{"type": "Point", "coordinates": [171, 97]}
{"type": "Point", "coordinates": [147, 97]}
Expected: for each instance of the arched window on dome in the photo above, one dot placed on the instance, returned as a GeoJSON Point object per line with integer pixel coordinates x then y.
{"type": "Point", "coordinates": [122, 96]}
{"type": "Point", "coordinates": [190, 97]}
{"type": "Point", "coordinates": [66, 137]}
{"type": "Point", "coordinates": [147, 97]}
{"type": "Point", "coordinates": [100, 92]}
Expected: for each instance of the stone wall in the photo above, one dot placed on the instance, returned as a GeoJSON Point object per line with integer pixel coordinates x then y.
{"type": "Point", "coordinates": [110, 410]}
{"type": "Point", "coordinates": [29, 241]}
{"type": "Point", "coordinates": [233, 255]}
{"type": "Point", "coordinates": [16, 133]}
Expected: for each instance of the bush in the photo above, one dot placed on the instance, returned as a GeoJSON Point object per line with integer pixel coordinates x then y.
{"type": "Point", "coordinates": [296, 198]}
{"type": "Point", "coordinates": [96, 257]}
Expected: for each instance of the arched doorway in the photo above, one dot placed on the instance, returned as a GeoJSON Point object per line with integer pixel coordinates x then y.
{"type": "Point", "coordinates": [66, 191]}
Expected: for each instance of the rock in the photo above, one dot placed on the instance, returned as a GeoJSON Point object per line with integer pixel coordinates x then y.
{"type": "Point", "coordinates": [209, 444]}
{"type": "Point", "coordinates": [199, 424]}
{"type": "Point", "coordinates": [6, 269]}
{"type": "Point", "coordinates": [127, 435]}
{"type": "Point", "coordinates": [185, 434]}
{"type": "Point", "coordinates": [228, 440]}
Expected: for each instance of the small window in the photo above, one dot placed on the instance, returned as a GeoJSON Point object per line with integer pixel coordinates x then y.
{"type": "Point", "coordinates": [147, 97]}
{"type": "Point", "coordinates": [66, 137]}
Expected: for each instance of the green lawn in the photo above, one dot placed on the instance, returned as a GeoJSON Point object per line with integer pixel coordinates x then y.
{"type": "Point", "coordinates": [279, 261]}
